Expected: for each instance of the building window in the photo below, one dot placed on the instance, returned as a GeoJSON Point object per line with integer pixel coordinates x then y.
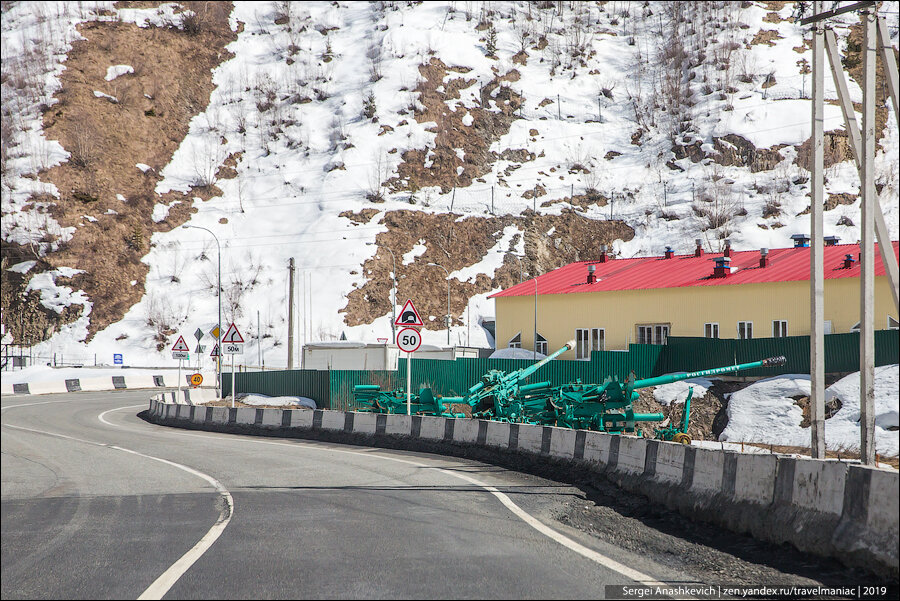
{"type": "Point", "coordinates": [855, 327]}
{"type": "Point", "coordinates": [653, 333]}
{"type": "Point", "coordinates": [515, 341]}
{"type": "Point", "coordinates": [598, 339]}
{"type": "Point", "coordinates": [827, 324]}
{"type": "Point", "coordinates": [711, 330]}
{"type": "Point", "coordinates": [779, 328]}
{"type": "Point", "coordinates": [745, 330]}
{"type": "Point", "coordinates": [540, 344]}
{"type": "Point", "coordinates": [893, 324]}
{"type": "Point", "coordinates": [582, 343]}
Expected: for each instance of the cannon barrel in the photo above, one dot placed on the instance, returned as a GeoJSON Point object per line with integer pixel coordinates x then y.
{"type": "Point", "coordinates": [668, 379]}
{"type": "Point", "coordinates": [521, 374]}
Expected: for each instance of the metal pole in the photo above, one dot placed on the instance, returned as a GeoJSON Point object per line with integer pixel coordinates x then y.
{"type": "Point", "coordinates": [817, 265]}
{"type": "Point", "coordinates": [258, 341]}
{"type": "Point", "coordinates": [408, 383]}
{"type": "Point", "coordinates": [867, 252]}
{"type": "Point", "coordinates": [219, 295]}
{"type": "Point", "coordinates": [233, 391]}
{"type": "Point", "coordinates": [290, 345]}
{"type": "Point", "coordinates": [534, 347]}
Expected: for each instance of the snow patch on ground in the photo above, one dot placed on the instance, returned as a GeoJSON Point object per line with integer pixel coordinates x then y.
{"type": "Point", "coordinates": [676, 392]}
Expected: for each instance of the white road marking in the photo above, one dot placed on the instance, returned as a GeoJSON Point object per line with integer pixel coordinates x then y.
{"type": "Point", "coordinates": [520, 513]}
{"type": "Point", "coordinates": [168, 578]}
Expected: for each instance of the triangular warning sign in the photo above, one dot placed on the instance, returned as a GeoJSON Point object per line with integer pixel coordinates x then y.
{"type": "Point", "coordinates": [181, 345]}
{"type": "Point", "coordinates": [215, 351]}
{"type": "Point", "coordinates": [232, 336]}
{"type": "Point", "coordinates": [409, 316]}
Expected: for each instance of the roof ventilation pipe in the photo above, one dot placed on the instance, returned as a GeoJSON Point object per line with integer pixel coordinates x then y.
{"type": "Point", "coordinates": [603, 248]}
{"type": "Point", "coordinates": [727, 248]}
{"type": "Point", "coordinates": [722, 268]}
{"type": "Point", "coordinates": [763, 257]}
{"type": "Point", "coordinates": [669, 252]}
{"type": "Point", "coordinates": [848, 261]}
{"type": "Point", "coordinates": [591, 278]}
{"type": "Point", "coordinates": [698, 252]}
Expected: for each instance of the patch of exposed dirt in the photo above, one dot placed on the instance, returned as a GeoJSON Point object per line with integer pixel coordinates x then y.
{"type": "Point", "coordinates": [490, 121]}
{"type": "Point", "coordinates": [735, 150]}
{"type": "Point", "coordinates": [582, 201]}
{"type": "Point", "coordinates": [171, 83]}
{"type": "Point", "coordinates": [363, 216]}
{"type": "Point", "coordinates": [705, 411]}
{"type": "Point", "coordinates": [455, 243]}
{"type": "Point", "coordinates": [765, 36]}
{"type": "Point", "coordinates": [837, 150]}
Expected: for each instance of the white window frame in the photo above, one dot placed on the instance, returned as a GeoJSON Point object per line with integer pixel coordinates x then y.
{"type": "Point", "coordinates": [515, 341]}
{"type": "Point", "coordinates": [828, 327]}
{"type": "Point", "coordinates": [893, 324]}
{"type": "Point", "coordinates": [598, 339]}
{"type": "Point", "coordinates": [746, 330]}
{"type": "Point", "coordinates": [711, 327]}
{"type": "Point", "coordinates": [779, 328]}
{"type": "Point", "coordinates": [540, 344]}
{"type": "Point", "coordinates": [582, 344]}
{"type": "Point", "coordinates": [653, 333]}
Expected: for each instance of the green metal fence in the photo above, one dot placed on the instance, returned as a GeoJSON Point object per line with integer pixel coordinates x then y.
{"type": "Point", "coordinates": [841, 353]}
{"type": "Point", "coordinates": [334, 389]}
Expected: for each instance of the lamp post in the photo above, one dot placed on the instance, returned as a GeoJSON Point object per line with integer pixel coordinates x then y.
{"type": "Point", "coordinates": [393, 292]}
{"type": "Point", "coordinates": [219, 323]}
{"type": "Point", "coordinates": [448, 298]}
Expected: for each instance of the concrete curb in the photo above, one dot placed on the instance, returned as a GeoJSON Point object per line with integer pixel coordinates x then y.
{"type": "Point", "coordinates": [827, 508]}
{"type": "Point", "coordinates": [119, 382]}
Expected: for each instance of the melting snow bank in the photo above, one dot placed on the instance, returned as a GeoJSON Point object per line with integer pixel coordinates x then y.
{"type": "Point", "coordinates": [283, 401]}
{"type": "Point", "coordinates": [766, 412]}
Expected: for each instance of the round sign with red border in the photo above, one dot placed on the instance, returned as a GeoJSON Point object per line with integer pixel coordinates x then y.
{"type": "Point", "coordinates": [409, 339]}
{"type": "Point", "coordinates": [196, 380]}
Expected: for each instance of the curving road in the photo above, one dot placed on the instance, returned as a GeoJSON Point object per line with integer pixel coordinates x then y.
{"type": "Point", "coordinates": [97, 503]}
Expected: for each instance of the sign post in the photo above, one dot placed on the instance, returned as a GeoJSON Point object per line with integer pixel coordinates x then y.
{"type": "Point", "coordinates": [409, 339]}
{"type": "Point", "coordinates": [232, 344]}
{"type": "Point", "coordinates": [180, 351]}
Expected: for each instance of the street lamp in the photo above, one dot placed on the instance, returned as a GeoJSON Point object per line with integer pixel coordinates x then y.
{"type": "Point", "coordinates": [448, 298]}
{"type": "Point", "coordinates": [219, 324]}
{"type": "Point", "coordinates": [534, 348]}
{"type": "Point", "coordinates": [393, 291]}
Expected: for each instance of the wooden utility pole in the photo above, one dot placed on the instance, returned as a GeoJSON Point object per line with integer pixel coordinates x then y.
{"type": "Point", "coordinates": [290, 344]}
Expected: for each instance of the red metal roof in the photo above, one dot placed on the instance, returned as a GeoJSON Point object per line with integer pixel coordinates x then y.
{"type": "Point", "coordinates": [784, 265]}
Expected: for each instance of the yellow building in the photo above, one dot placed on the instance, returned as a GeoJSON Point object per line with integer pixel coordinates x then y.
{"type": "Point", "coordinates": [609, 303]}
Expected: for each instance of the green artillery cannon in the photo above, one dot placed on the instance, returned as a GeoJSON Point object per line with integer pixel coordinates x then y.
{"type": "Point", "coordinates": [505, 397]}
{"type": "Point", "coordinates": [608, 407]}
{"type": "Point", "coordinates": [370, 398]}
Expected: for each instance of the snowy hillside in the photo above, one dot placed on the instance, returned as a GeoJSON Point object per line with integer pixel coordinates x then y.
{"type": "Point", "coordinates": [335, 131]}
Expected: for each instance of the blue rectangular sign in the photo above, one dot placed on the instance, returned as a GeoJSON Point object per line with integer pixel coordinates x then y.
{"type": "Point", "coordinates": [117, 359]}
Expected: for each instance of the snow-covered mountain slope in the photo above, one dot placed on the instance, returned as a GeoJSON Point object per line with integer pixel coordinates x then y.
{"type": "Point", "coordinates": [445, 133]}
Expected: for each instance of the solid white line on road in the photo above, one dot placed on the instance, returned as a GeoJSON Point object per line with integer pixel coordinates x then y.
{"type": "Point", "coordinates": [560, 538]}
{"type": "Point", "coordinates": [168, 578]}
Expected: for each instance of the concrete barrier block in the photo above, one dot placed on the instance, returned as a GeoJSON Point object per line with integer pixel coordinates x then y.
{"type": "Point", "coordinates": [708, 466]}
{"type": "Point", "coordinates": [272, 418]}
{"type": "Point", "coordinates": [200, 414]}
{"type": "Point", "coordinates": [670, 462]}
{"type": "Point", "coordinates": [302, 418]}
{"type": "Point", "coordinates": [754, 478]}
{"type": "Point", "coordinates": [465, 430]}
{"type": "Point", "coordinates": [332, 420]}
{"type": "Point", "coordinates": [497, 434]}
{"type": "Point", "coordinates": [220, 415]}
{"type": "Point", "coordinates": [884, 506]}
{"type": "Point", "coordinates": [398, 424]}
{"type": "Point", "coordinates": [432, 428]}
{"type": "Point", "coordinates": [530, 438]}
{"type": "Point", "coordinates": [562, 442]}
{"type": "Point", "coordinates": [632, 454]}
{"type": "Point", "coordinates": [819, 485]}
{"type": "Point", "coordinates": [245, 415]}
{"type": "Point", "coordinates": [364, 423]}
{"type": "Point", "coordinates": [596, 447]}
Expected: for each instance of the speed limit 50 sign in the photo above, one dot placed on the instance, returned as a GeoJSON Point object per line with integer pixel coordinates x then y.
{"type": "Point", "coordinates": [409, 339]}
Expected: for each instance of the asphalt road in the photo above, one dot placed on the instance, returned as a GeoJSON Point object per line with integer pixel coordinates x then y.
{"type": "Point", "coordinates": [97, 503]}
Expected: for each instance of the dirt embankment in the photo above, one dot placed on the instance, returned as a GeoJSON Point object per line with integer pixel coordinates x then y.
{"type": "Point", "coordinates": [142, 119]}
{"type": "Point", "coordinates": [455, 243]}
